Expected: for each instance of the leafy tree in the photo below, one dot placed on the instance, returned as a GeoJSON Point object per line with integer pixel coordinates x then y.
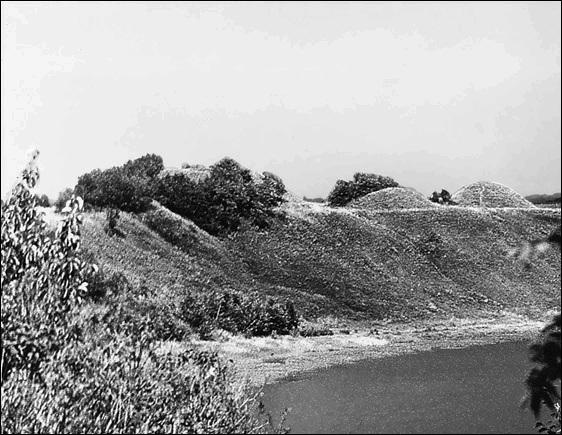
{"type": "Point", "coordinates": [147, 166]}
{"type": "Point", "coordinates": [545, 353]}
{"type": "Point", "coordinates": [442, 198]}
{"type": "Point", "coordinates": [42, 277]}
{"type": "Point", "coordinates": [130, 187]}
{"type": "Point", "coordinates": [361, 185]}
{"type": "Point", "coordinates": [42, 200]}
{"type": "Point", "coordinates": [222, 202]}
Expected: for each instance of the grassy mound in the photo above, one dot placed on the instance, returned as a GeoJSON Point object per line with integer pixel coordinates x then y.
{"type": "Point", "coordinates": [488, 194]}
{"type": "Point", "coordinates": [347, 262]}
{"type": "Point", "coordinates": [404, 263]}
{"type": "Point", "coordinates": [392, 198]}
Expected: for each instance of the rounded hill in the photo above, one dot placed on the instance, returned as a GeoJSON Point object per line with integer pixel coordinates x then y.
{"type": "Point", "coordinates": [490, 194]}
{"type": "Point", "coordinates": [392, 198]}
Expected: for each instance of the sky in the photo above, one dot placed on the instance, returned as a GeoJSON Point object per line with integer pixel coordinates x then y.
{"type": "Point", "coordinates": [435, 95]}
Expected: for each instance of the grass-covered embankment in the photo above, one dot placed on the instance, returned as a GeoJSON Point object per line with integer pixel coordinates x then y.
{"type": "Point", "coordinates": [355, 264]}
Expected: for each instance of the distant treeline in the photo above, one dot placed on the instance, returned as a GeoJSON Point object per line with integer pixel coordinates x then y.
{"type": "Point", "coordinates": [544, 198]}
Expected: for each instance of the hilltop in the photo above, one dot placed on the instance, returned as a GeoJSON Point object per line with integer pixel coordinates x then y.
{"type": "Point", "coordinates": [354, 263]}
{"type": "Point", "coordinates": [489, 194]}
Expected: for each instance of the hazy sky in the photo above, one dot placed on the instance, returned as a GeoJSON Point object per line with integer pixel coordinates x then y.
{"type": "Point", "coordinates": [436, 95]}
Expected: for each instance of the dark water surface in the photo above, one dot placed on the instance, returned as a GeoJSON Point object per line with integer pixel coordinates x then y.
{"type": "Point", "coordinates": [471, 390]}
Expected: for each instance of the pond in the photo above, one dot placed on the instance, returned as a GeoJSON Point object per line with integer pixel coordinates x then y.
{"type": "Point", "coordinates": [471, 390]}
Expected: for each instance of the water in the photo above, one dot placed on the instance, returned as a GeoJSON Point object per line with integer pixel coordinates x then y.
{"type": "Point", "coordinates": [471, 390]}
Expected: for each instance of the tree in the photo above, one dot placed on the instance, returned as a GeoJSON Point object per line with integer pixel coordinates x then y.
{"type": "Point", "coordinates": [545, 353]}
{"type": "Point", "coordinates": [42, 200]}
{"type": "Point", "coordinates": [63, 197]}
{"type": "Point", "coordinates": [361, 185]}
{"type": "Point", "coordinates": [221, 202]}
{"type": "Point", "coordinates": [442, 198]}
{"type": "Point", "coordinates": [130, 187]}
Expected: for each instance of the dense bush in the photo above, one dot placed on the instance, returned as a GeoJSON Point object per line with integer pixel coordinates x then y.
{"type": "Point", "coordinates": [310, 330]}
{"type": "Point", "coordinates": [225, 200]}
{"type": "Point", "coordinates": [134, 315]}
{"type": "Point", "coordinates": [442, 198]}
{"type": "Point", "coordinates": [43, 200]}
{"type": "Point", "coordinates": [129, 187]}
{"type": "Point", "coordinates": [238, 313]}
{"type": "Point", "coordinates": [42, 278]}
{"type": "Point", "coordinates": [111, 218]}
{"type": "Point", "coordinates": [361, 185]}
{"type": "Point", "coordinates": [542, 379]}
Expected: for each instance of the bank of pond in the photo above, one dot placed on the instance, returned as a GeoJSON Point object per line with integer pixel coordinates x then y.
{"type": "Point", "coordinates": [469, 390]}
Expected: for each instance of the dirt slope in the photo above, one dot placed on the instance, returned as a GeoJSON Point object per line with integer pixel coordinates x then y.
{"type": "Point", "coordinates": [347, 262]}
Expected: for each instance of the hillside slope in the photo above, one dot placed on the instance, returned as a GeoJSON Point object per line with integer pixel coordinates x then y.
{"type": "Point", "coordinates": [355, 263]}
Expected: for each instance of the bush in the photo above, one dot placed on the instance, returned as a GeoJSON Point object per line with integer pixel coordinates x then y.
{"type": "Point", "coordinates": [442, 198]}
{"type": "Point", "coordinates": [225, 200]}
{"type": "Point", "coordinates": [237, 313]}
{"type": "Point", "coordinates": [43, 200]}
{"type": "Point", "coordinates": [310, 330]}
{"type": "Point", "coordinates": [130, 187]}
{"type": "Point", "coordinates": [542, 379]}
{"type": "Point", "coordinates": [111, 218]}
{"type": "Point", "coordinates": [136, 316]}
{"type": "Point", "coordinates": [361, 185]}
{"type": "Point", "coordinates": [42, 278]}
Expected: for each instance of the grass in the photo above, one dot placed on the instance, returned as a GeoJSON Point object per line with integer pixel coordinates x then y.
{"type": "Point", "coordinates": [393, 198]}
{"type": "Point", "coordinates": [488, 194]}
{"type": "Point", "coordinates": [350, 263]}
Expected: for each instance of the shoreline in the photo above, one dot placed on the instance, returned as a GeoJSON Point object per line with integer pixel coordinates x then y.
{"type": "Point", "coordinates": [266, 360]}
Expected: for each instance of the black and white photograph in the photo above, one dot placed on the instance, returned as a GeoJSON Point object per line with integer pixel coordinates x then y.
{"type": "Point", "coordinates": [281, 217]}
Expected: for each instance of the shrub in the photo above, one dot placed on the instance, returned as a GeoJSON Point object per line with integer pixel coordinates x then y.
{"type": "Point", "coordinates": [442, 198]}
{"type": "Point", "coordinates": [111, 217]}
{"type": "Point", "coordinates": [101, 286]}
{"type": "Point", "coordinates": [238, 313]}
{"type": "Point", "coordinates": [361, 185]}
{"type": "Point", "coordinates": [147, 166]}
{"type": "Point", "coordinates": [225, 200]}
{"type": "Point", "coordinates": [43, 200]}
{"type": "Point", "coordinates": [310, 330]}
{"type": "Point", "coordinates": [135, 315]}
{"type": "Point", "coordinates": [130, 187]}
{"type": "Point", "coordinates": [185, 197]}
{"type": "Point", "coordinates": [42, 277]}
{"type": "Point", "coordinates": [545, 353]}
